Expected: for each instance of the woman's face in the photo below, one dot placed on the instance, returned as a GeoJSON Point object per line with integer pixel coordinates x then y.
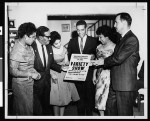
{"type": "Point", "coordinates": [57, 43]}
{"type": "Point", "coordinates": [29, 40]}
{"type": "Point", "coordinates": [103, 39]}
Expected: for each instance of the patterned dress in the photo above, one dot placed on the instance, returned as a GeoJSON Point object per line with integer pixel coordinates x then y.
{"type": "Point", "coordinates": [103, 77]}
{"type": "Point", "coordinates": [21, 61]}
{"type": "Point", "coordinates": [62, 93]}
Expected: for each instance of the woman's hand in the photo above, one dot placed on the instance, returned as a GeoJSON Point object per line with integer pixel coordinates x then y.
{"type": "Point", "coordinates": [54, 78]}
{"type": "Point", "coordinates": [94, 80]}
{"type": "Point", "coordinates": [34, 75]}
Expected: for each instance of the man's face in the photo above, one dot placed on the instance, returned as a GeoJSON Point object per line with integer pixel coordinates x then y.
{"type": "Point", "coordinates": [46, 38]}
{"type": "Point", "coordinates": [119, 25]}
{"type": "Point", "coordinates": [81, 30]}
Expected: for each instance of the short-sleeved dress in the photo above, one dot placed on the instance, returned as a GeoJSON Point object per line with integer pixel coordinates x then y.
{"type": "Point", "coordinates": [62, 93]}
{"type": "Point", "coordinates": [21, 61]}
{"type": "Point", "coordinates": [103, 76]}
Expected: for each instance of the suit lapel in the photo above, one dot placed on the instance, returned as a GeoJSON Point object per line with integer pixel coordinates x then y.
{"type": "Point", "coordinates": [37, 55]}
{"type": "Point", "coordinates": [86, 44]}
{"type": "Point", "coordinates": [48, 54]}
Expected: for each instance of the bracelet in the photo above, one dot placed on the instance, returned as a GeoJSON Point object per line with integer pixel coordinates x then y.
{"type": "Point", "coordinates": [29, 76]}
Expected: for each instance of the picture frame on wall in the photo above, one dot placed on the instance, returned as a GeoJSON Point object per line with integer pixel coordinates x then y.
{"type": "Point", "coordinates": [11, 23]}
{"type": "Point", "coordinates": [65, 27]}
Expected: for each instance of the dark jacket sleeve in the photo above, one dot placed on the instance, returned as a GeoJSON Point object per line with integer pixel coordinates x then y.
{"type": "Point", "coordinates": [128, 49]}
{"type": "Point", "coordinates": [54, 66]}
{"type": "Point", "coordinates": [69, 49]}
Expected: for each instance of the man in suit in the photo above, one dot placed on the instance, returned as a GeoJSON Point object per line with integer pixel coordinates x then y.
{"type": "Point", "coordinates": [123, 64]}
{"type": "Point", "coordinates": [43, 62]}
{"type": "Point", "coordinates": [84, 44]}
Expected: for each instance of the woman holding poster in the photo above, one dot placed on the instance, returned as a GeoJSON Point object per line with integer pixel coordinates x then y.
{"type": "Point", "coordinates": [62, 93]}
{"type": "Point", "coordinates": [101, 75]}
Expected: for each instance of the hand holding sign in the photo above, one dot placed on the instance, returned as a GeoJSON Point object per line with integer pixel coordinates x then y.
{"type": "Point", "coordinates": [98, 62]}
{"type": "Point", "coordinates": [78, 67]}
{"type": "Point", "coordinates": [64, 68]}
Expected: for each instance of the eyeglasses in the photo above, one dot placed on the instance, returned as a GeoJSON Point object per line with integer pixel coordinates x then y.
{"type": "Point", "coordinates": [48, 37]}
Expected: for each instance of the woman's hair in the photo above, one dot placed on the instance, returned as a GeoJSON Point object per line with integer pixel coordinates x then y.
{"type": "Point", "coordinates": [26, 29]}
{"type": "Point", "coordinates": [54, 36]}
{"type": "Point", "coordinates": [41, 30]}
{"type": "Point", "coordinates": [107, 32]}
{"type": "Point", "coordinates": [104, 30]}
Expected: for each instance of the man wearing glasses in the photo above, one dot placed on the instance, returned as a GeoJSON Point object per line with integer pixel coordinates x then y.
{"type": "Point", "coordinates": [43, 62]}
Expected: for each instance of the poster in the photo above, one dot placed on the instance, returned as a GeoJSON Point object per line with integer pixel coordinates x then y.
{"type": "Point", "coordinates": [78, 67]}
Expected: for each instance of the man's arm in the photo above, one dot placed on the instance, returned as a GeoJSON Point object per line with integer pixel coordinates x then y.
{"type": "Point", "coordinates": [127, 50]}
{"type": "Point", "coordinates": [69, 50]}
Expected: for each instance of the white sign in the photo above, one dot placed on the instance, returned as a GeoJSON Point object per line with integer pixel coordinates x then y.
{"type": "Point", "coordinates": [78, 67]}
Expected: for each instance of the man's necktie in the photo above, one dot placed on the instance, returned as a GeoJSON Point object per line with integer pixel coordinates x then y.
{"type": "Point", "coordinates": [44, 56]}
{"type": "Point", "coordinates": [81, 45]}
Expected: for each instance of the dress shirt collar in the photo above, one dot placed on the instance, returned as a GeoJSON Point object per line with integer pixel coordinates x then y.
{"type": "Point", "coordinates": [38, 43]}
{"type": "Point", "coordinates": [84, 38]}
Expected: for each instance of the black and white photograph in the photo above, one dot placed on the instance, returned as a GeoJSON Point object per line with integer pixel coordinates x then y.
{"type": "Point", "coordinates": [1, 69]}
{"type": "Point", "coordinates": [42, 37]}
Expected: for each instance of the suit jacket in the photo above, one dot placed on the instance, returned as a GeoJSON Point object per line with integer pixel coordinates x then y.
{"type": "Point", "coordinates": [124, 62]}
{"type": "Point", "coordinates": [89, 48]}
{"type": "Point", "coordinates": [45, 73]}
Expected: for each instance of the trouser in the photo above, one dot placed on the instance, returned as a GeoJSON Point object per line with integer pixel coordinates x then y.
{"type": "Point", "coordinates": [86, 92]}
{"type": "Point", "coordinates": [120, 103]}
{"type": "Point", "coordinates": [41, 98]}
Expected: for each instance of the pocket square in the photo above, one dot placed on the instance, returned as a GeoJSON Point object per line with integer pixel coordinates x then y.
{"type": "Point", "coordinates": [50, 53]}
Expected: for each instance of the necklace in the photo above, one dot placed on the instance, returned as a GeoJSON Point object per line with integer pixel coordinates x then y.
{"type": "Point", "coordinates": [24, 46]}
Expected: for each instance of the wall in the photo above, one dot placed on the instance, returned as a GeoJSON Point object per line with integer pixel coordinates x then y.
{"type": "Point", "coordinates": [37, 13]}
{"type": "Point", "coordinates": [56, 25]}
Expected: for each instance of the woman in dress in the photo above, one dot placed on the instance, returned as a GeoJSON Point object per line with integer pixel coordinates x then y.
{"type": "Point", "coordinates": [62, 93]}
{"type": "Point", "coordinates": [101, 75]}
{"type": "Point", "coordinates": [21, 68]}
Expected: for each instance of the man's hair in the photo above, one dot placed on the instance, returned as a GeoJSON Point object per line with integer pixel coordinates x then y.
{"type": "Point", "coordinates": [126, 17]}
{"type": "Point", "coordinates": [26, 29]}
{"type": "Point", "coordinates": [41, 30]}
{"type": "Point", "coordinates": [81, 22]}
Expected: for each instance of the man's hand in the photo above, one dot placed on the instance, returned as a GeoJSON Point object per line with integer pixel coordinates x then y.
{"type": "Point", "coordinates": [92, 56]}
{"type": "Point", "coordinates": [98, 62]}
